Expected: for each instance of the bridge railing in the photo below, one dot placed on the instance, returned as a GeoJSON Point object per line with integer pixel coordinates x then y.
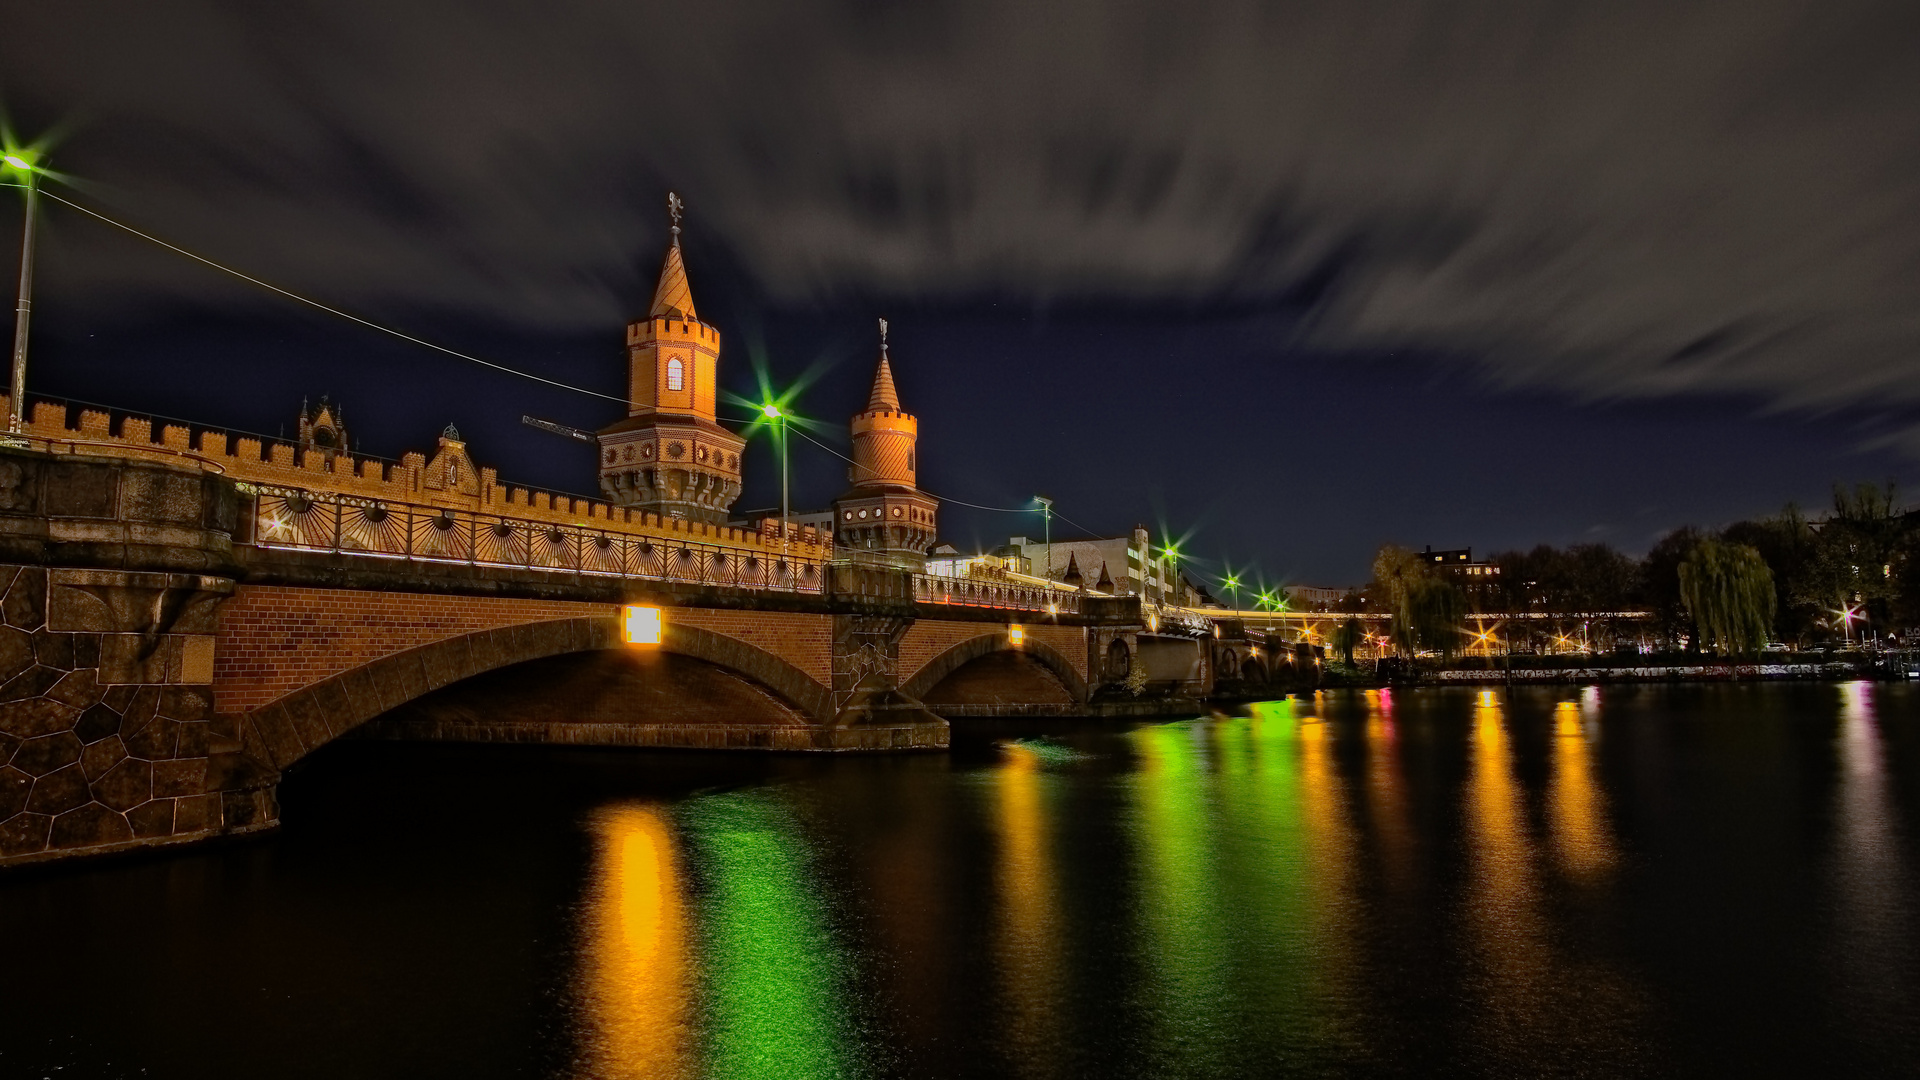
{"type": "Point", "coordinates": [991, 593]}
{"type": "Point", "coordinates": [322, 521]}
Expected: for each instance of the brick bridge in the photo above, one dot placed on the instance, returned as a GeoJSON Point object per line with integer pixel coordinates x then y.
{"type": "Point", "coordinates": [184, 621]}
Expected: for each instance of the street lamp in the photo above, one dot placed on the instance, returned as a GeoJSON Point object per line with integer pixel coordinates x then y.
{"type": "Point", "coordinates": [1232, 585]}
{"type": "Point", "coordinates": [772, 412]}
{"type": "Point", "coordinates": [1171, 554]}
{"type": "Point", "coordinates": [1046, 514]}
{"type": "Point", "coordinates": [22, 161]}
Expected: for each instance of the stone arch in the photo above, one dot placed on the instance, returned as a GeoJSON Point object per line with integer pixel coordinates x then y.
{"type": "Point", "coordinates": [1252, 671]}
{"type": "Point", "coordinates": [974, 648]}
{"type": "Point", "coordinates": [280, 733]}
{"type": "Point", "coordinates": [1119, 660]}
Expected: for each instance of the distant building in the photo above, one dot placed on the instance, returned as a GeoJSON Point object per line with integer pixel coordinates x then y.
{"type": "Point", "coordinates": [1313, 597]}
{"type": "Point", "coordinates": [1128, 562]}
{"type": "Point", "coordinates": [1458, 564]}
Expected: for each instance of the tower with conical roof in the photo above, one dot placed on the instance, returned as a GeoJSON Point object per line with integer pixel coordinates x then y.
{"type": "Point", "coordinates": [884, 518]}
{"type": "Point", "coordinates": [670, 456]}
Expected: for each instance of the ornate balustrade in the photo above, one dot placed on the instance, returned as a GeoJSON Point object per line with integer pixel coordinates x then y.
{"type": "Point", "coordinates": [310, 521]}
{"type": "Point", "coordinates": [992, 593]}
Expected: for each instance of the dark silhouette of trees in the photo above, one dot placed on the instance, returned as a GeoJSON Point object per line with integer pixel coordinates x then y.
{"type": "Point", "coordinates": [1728, 589]}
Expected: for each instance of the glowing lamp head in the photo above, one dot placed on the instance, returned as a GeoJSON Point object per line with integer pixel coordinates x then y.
{"type": "Point", "coordinates": [642, 625]}
{"type": "Point", "coordinates": [15, 161]}
{"type": "Point", "coordinates": [1016, 635]}
{"type": "Point", "coordinates": [771, 412]}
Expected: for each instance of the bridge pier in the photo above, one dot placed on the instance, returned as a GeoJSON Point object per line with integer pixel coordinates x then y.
{"type": "Point", "coordinates": [112, 574]}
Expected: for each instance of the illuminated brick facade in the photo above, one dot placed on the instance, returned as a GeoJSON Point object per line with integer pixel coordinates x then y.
{"type": "Point", "coordinates": [884, 518]}
{"type": "Point", "coordinates": [670, 455]}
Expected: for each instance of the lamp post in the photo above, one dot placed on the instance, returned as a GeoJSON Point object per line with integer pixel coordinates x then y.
{"type": "Point", "coordinates": [1171, 554]}
{"type": "Point", "coordinates": [18, 161]}
{"type": "Point", "coordinates": [772, 412]}
{"type": "Point", "coordinates": [1046, 514]}
{"type": "Point", "coordinates": [1232, 585]}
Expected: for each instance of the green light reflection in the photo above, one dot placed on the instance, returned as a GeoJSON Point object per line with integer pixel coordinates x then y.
{"type": "Point", "coordinates": [775, 978]}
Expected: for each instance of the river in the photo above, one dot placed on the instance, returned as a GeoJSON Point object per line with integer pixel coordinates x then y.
{"type": "Point", "coordinates": [1600, 881]}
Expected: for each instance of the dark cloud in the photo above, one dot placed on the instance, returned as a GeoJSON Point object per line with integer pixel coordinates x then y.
{"type": "Point", "coordinates": [1610, 198]}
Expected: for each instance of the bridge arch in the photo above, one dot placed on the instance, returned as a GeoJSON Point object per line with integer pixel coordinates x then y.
{"type": "Point", "coordinates": [975, 648]}
{"type": "Point", "coordinates": [287, 730]}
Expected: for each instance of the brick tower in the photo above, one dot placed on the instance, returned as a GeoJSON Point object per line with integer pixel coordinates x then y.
{"type": "Point", "coordinates": [670, 456]}
{"type": "Point", "coordinates": [884, 519]}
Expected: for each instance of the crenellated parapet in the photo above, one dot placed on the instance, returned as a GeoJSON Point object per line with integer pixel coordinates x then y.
{"type": "Point", "coordinates": [448, 479]}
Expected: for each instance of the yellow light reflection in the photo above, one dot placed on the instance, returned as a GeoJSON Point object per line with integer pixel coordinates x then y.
{"type": "Point", "coordinates": [637, 973]}
{"type": "Point", "coordinates": [1577, 807]}
{"type": "Point", "coordinates": [1028, 945]}
{"type": "Point", "coordinates": [1386, 789]}
{"type": "Point", "coordinates": [1503, 906]}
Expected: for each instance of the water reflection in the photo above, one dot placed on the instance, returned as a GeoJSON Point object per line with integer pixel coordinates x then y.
{"type": "Point", "coordinates": [774, 977]}
{"type": "Point", "coordinates": [636, 973]}
{"type": "Point", "coordinates": [1578, 809]}
{"type": "Point", "coordinates": [1027, 947]}
{"type": "Point", "coordinates": [1180, 911]}
{"type": "Point", "coordinates": [1502, 904]}
{"type": "Point", "coordinates": [1873, 948]}
{"type": "Point", "coordinates": [1386, 789]}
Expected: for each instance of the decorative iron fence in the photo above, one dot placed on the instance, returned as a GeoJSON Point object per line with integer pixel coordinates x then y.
{"type": "Point", "coordinates": [309, 521]}
{"type": "Point", "coordinates": [986, 592]}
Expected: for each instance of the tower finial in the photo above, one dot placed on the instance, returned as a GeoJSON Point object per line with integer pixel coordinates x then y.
{"type": "Point", "coordinates": [883, 338]}
{"type": "Point", "coordinates": [674, 209]}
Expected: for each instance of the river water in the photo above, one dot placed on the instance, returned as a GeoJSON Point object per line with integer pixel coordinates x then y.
{"type": "Point", "coordinates": [1699, 879]}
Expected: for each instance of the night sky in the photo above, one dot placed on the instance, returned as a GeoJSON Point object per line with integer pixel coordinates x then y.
{"type": "Point", "coordinates": [1293, 279]}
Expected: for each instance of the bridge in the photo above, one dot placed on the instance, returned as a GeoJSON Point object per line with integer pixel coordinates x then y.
{"type": "Point", "coordinates": [187, 616]}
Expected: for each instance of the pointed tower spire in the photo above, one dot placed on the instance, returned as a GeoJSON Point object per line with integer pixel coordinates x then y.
{"type": "Point", "coordinates": [884, 398]}
{"type": "Point", "coordinates": [672, 297]}
{"type": "Point", "coordinates": [1105, 584]}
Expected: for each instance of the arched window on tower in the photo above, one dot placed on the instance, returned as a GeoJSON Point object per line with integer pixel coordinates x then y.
{"type": "Point", "coordinates": [676, 375]}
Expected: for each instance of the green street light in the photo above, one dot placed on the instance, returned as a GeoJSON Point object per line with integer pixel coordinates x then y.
{"type": "Point", "coordinates": [24, 161]}
{"type": "Point", "coordinates": [1232, 585]}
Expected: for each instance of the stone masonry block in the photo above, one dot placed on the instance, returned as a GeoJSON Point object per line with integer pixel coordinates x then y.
{"type": "Point", "coordinates": [79, 490]}
{"type": "Point", "coordinates": [53, 650]}
{"type": "Point", "coordinates": [155, 741]}
{"type": "Point", "coordinates": [443, 662]}
{"type": "Point", "coordinates": [302, 712]}
{"type": "Point", "coordinates": [335, 708]}
{"type": "Point", "coordinates": [59, 791]}
{"type": "Point", "coordinates": [185, 776]}
{"type": "Point", "coordinates": [89, 826]}
{"type": "Point", "coordinates": [14, 789]}
{"type": "Point", "coordinates": [196, 813]}
{"type": "Point", "coordinates": [126, 785]}
{"type": "Point", "coordinates": [144, 704]}
{"type": "Point", "coordinates": [152, 819]}
{"type": "Point", "coordinates": [31, 683]}
{"type": "Point", "coordinates": [25, 605]}
{"type": "Point", "coordinates": [276, 730]}
{"type": "Point", "coordinates": [16, 652]}
{"type": "Point", "coordinates": [193, 739]}
{"type": "Point", "coordinates": [131, 658]}
{"type": "Point", "coordinates": [27, 719]}
{"type": "Point", "coordinates": [186, 703]}
{"type": "Point", "coordinates": [98, 757]}
{"type": "Point", "coordinates": [77, 688]}
{"type": "Point", "coordinates": [362, 694]}
{"type": "Point", "coordinates": [38, 757]}
{"type": "Point", "coordinates": [96, 722]}
{"type": "Point", "coordinates": [24, 834]}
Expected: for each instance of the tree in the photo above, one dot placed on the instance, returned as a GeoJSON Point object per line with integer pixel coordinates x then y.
{"type": "Point", "coordinates": [1345, 638]}
{"type": "Point", "coordinates": [1855, 552]}
{"type": "Point", "coordinates": [1728, 589]}
{"type": "Point", "coordinates": [1433, 613]}
{"type": "Point", "coordinates": [1660, 583]}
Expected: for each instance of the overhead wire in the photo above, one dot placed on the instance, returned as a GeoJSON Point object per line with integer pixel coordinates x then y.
{"type": "Point", "coordinates": [455, 353]}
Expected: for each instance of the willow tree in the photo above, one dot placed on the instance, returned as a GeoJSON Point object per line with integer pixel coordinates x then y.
{"type": "Point", "coordinates": [1728, 589]}
{"type": "Point", "coordinates": [1346, 637]}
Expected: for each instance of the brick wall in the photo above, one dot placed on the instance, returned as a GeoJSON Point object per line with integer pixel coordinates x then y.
{"type": "Point", "coordinates": [274, 640]}
{"type": "Point", "coordinates": [928, 638]}
{"type": "Point", "coordinates": [803, 640]}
